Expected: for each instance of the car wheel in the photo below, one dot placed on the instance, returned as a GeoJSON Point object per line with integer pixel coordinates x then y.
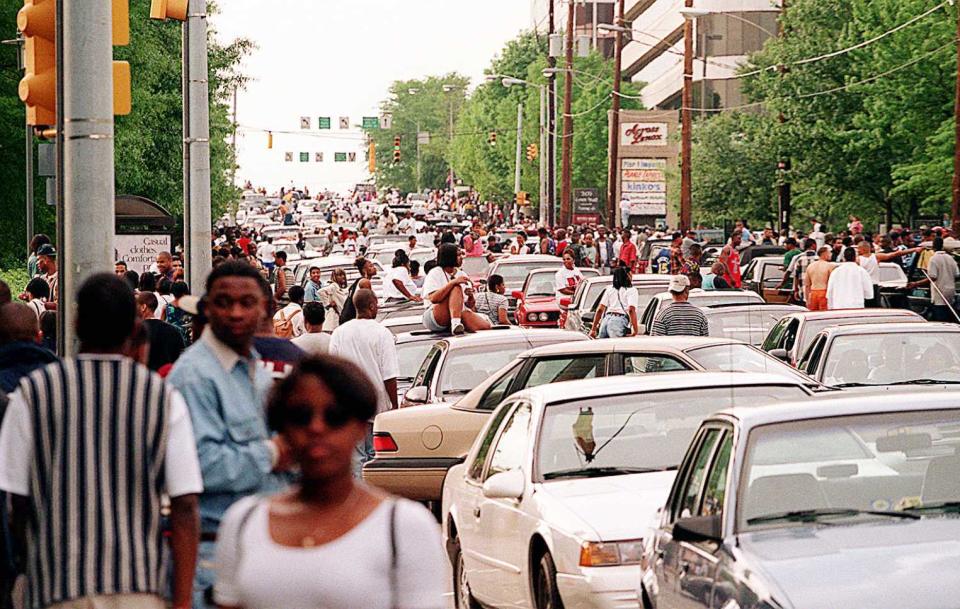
{"type": "Point", "coordinates": [463, 598]}
{"type": "Point", "coordinates": [546, 592]}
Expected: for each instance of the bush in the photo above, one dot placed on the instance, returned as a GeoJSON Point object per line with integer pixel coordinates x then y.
{"type": "Point", "coordinates": [16, 278]}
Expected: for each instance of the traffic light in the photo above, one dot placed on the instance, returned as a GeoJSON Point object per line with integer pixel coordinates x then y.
{"type": "Point", "coordinates": [532, 152]}
{"type": "Point", "coordinates": [122, 97]}
{"type": "Point", "coordinates": [269, 140]}
{"type": "Point", "coordinates": [169, 9]}
{"type": "Point", "coordinates": [37, 21]}
{"type": "Point", "coordinates": [372, 157]}
{"type": "Point", "coordinates": [492, 138]}
{"type": "Point", "coordinates": [521, 198]}
{"type": "Point", "coordinates": [396, 149]}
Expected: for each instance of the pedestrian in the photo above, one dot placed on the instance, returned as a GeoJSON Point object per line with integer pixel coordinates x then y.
{"type": "Point", "coordinates": [164, 266]}
{"type": "Point", "coordinates": [33, 262]}
{"type": "Point", "coordinates": [176, 315]}
{"type": "Point", "coordinates": [796, 271]}
{"type": "Point", "coordinates": [398, 286]}
{"type": "Point", "coordinates": [370, 346]}
{"type": "Point", "coordinates": [164, 296]}
{"type": "Point", "coordinates": [288, 321]}
{"type": "Point", "coordinates": [793, 249]}
{"type": "Point", "coordinates": [591, 256]}
{"type": "Point", "coordinates": [333, 297]}
{"type": "Point", "coordinates": [730, 257]}
{"type": "Point", "coordinates": [493, 303]}
{"type": "Point", "coordinates": [448, 296]}
{"type": "Point", "coordinates": [606, 257]}
{"type": "Point", "coordinates": [312, 291]}
{"type": "Point", "coordinates": [166, 342]}
{"type": "Point", "coordinates": [20, 350]}
{"type": "Point", "coordinates": [225, 388]}
{"type": "Point", "coordinates": [330, 541]}
{"type": "Point", "coordinates": [367, 272]}
{"type": "Point", "coordinates": [676, 255]}
{"type": "Point", "coordinates": [680, 318]}
{"type": "Point", "coordinates": [278, 355]}
{"type": "Point", "coordinates": [716, 278]}
{"type": "Point", "coordinates": [942, 274]}
{"type": "Point", "coordinates": [415, 275]}
{"type": "Point", "coordinates": [816, 279]}
{"type": "Point", "coordinates": [628, 251]}
{"type": "Point", "coordinates": [47, 265]}
{"type": "Point", "coordinates": [691, 266]}
{"type": "Point", "coordinates": [36, 295]}
{"type": "Point", "coordinates": [93, 444]}
{"type": "Point", "coordinates": [616, 314]}
{"type": "Point", "coordinates": [120, 268]}
{"type": "Point", "coordinates": [868, 261]}
{"type": "Point", "coordinates": [849, 286]}
{"type": "Point", "coordinates": [313, 342]}
{"type": "Point", "coordinates": [282, 278]}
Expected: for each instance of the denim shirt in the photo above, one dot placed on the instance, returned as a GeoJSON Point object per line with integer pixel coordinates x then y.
{"type": "Point", "coordinates": [226, 395]}
{"type": "Point", "coordinates": [312, 292]}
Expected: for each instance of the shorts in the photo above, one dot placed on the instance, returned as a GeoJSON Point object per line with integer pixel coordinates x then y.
{"type": "Point", "coordinates": [430, 323]}
{"type": "Point", "coordinates": [818, 300]}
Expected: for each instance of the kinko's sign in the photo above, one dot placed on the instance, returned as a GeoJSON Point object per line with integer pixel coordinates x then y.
{"type": "Point", "coordinates": [140, 251]}
{"type": "Point", "coordinates": [644, 134]}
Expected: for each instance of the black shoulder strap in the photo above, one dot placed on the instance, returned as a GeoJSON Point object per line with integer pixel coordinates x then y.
{"type": "Point", "coordinates": [393, 554]}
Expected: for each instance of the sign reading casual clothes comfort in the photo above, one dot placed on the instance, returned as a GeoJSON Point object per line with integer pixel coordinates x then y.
{"type": "Point", "coordinates": [139, 251]}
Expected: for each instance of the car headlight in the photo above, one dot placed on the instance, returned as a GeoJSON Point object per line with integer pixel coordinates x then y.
{"type": "Point", "coordinates": [531, 317]}
{"type": "Point", "coordinates": [544, 317]}
{"type": "Point", "coordinates": [611, 553]}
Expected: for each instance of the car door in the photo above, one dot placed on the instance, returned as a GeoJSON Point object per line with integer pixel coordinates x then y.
{"type": "Point", "coordinates": [686, 571]}
{"type": "Point", "coordinates": [646, 321]}
{"type": "Point", "coordinates": [503, 524]}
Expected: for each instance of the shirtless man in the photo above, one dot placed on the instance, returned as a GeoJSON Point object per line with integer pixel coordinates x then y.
{"type": "Point", "coordinates": [815, 280]}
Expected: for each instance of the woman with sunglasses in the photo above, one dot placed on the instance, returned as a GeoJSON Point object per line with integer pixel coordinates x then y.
{"type": "Point", "coordinates": [329, 541]}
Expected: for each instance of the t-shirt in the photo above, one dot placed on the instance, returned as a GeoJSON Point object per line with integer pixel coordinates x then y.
{"type": "Point", "coordinates": [789, 256]}
{"type": "Point", "coordinates": [871, 266]}
{"type": "Point", "coordinates": [313, 343]}
{"type": "Point", "coordinates": [369, 345]}
{"type": "Point", "coordinates": [278, 356]}
{"type": "Point", "coordinates": [398, 273]}
{"type": "Point", "coordinates": [620, 301]}
{"type": "Point", "coordinates": [181, 466]}
{"type": "Point", "coordinates": [166, 343]}
{"type": "Point", "coordinates": [435, 280]}
{"type": "Point", "coordinates": [489, 304]}
{"type": "Point", "coordinates": [944, 272]}
{"type": "Point", "coordinates": [566, 278]}
{"type": "Point", "coordinates": [350, 572]}
{"type": "Point", "coordinates": [680, 319]}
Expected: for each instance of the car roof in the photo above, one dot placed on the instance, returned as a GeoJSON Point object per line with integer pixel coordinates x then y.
{"type": "Point", "coordinates": [847, 313]}
{"type": "Point", "coordinates": [613, 345]}
{"type": "Point", "coordinates": [841, 404]}
{"type": "Point", "coordinates": [649, 383]}
{"type": "Point", "coordinates": [698, 293]}
{"type": "Point", "coordinates": [527, 258]}
{"type": "Point", "coordinates": [892, 328]}
{"type": "Point", "coordinates": [509, 334]}
{"type": "Point", "coordinates": [736, 307]}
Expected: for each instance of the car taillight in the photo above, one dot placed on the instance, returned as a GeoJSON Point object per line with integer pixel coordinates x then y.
{"type": "Point", "coordinates": [383, 442]}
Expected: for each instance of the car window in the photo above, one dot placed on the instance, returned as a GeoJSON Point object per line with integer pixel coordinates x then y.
{"type": "Point", "coordinates": [410, 357]}
{"type": "Point", "coordinates": [715, 492]}
{"type": "Point", "coordinates": [811, 358]}
{"type": "Point", "coordinates": [498, 390]}
{"type": "Point", "coordinates": [696, 476]}
{"type": "Point", "coordinates": [790, 336]}
{"type": "Point", "coordinates": [737, 357]}
{"type": "Point", "coordinates": [647, 364]}
{"type": "Point", "coordinates": [476, 466]}
{"type": "Point", "coordinates": [512, 442]}
{"type": "Point", "coordinates": [540, 284]}
{"type": "Point", "coordinates": [428, 366]}
{"type": "Point", "coordinates": [465, 368]}
{"type": "Point", "coordinates": [772, 341]}
{"type": "Point", "coordinates": [648, 314]}
{"type": "Point", "coordinates": [572, 368]}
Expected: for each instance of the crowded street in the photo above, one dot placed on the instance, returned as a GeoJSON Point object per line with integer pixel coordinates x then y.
{"type": "Point", "coordinates": [427, 372]}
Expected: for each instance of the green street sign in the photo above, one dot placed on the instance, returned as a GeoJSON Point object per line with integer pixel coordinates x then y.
{"type": "Point", "coordinates": [339, 157]}
{"type": "Point", "coordinates": [304, 157]}
{"type": "Point", "coordinates": [324, 122]}
{"type": "Point", "coordinates": [371, 122]}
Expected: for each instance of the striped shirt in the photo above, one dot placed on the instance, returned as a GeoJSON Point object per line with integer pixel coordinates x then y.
{"type": "Point", "coordinates": [94, 467]}
{"type": "Point", "coordinates": [680, 319]}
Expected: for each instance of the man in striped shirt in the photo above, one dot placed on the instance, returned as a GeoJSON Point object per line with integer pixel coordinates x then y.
{"type": "Point", "coordinates": [89, 445]}
{"type": "Point", "coordinates": [680, 318]}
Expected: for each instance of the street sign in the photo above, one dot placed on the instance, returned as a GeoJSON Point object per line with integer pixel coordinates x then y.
{"type": "Point", "coordinates": [339, 157]}
{"type": "Point", "coordinates": [371, 122]}
{"type": "Point", "coordinates": [305, 122]}
{"type": "Point", "coordinates": [304, 157]}
{"type": "Point", "coordinates": [423, 138]}
{"type": "Point", "coordinates": [352, 157]}
{"type": "Point", "coordinates": [586, 200]}
{"type": "Point", "coordinates": [324, 122]}
{"type": "Point", "coordinates": [319, 157]}
{"type": "Point", "coordinates": [386, 121]}
{"type": "Point", "coordinates": [344, 122]}
{"type": "Point", "coordinates": [288, 157]}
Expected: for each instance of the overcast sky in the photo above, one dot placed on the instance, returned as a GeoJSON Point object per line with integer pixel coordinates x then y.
{"type": "Point", "coordinates": [338, 58]}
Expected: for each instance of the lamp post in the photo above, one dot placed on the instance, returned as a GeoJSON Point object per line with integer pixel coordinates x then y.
{"type": "Point", "coordinates": [509, 81]}
{"type": "Point", "coordinates": [614, 157]}
{"type": "Point", "coordinates": [450, 89]}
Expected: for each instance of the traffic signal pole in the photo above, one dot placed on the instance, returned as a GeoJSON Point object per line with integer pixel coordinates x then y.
{"type": "Point", "coordinates": [85, 137]}
{"type": "Point", "coordinates": [516, 177]}
{"type": "Point", "coordinates": [197, 221]}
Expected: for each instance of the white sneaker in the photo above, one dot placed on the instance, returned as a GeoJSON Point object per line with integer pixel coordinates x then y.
{"type": "Point", "coordinates": [457, 330]}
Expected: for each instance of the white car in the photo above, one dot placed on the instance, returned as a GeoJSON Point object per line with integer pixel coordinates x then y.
{"type": "Point", "coordinates": [701, 298]}
{"type": "Point", "coordinates": [552, 504]}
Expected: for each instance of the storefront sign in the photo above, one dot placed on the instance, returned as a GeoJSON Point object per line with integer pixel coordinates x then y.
{"type": "Point", "coordinates": [139, 251]}
{"type": "Point", "coordinates": [643, 134]}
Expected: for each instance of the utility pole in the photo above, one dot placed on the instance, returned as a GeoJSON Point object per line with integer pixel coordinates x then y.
{"type": "Point", "coordinates": [614, 169]}
{"type": "Point", "coordinates": [197, 221]}
{"type": "Point", "coordinates": [955, 206]}
{"type": "Point", "coordinates": [566, 170]}
{"type": "Point", "coordinates": [543, 198]}
{"type": "Point", "coordinates": [551, 150]}
{"type": "Point", "coordinates": [784, 190]}
{"type": "Point", "coordinates": [419, 188]}
{"type": "Point", "coordinates": [686, 133]}
{"type": "Point", "coordinates": [85, 135]}
{"type": "Point", "coordinates": [516, 176]}
{"type": "Point", "coordinates": [233, 170]}
{"type": "Point", "coordinates": [28, 160]}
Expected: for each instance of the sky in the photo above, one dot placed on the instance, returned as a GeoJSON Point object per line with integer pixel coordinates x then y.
{"type": "Point", "coordinates": [337, 58]}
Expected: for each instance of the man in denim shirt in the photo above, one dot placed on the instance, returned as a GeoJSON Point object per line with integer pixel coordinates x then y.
{"type": "Point", "coordinates": [225, 391]}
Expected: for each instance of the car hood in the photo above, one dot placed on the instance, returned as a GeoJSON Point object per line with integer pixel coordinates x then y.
{"type": "Point", "coordinates": [606, 509]}
{"type": "Point", "coordinates": [889, 563]}
{"type": "Point", "coordinates": [540, 303]}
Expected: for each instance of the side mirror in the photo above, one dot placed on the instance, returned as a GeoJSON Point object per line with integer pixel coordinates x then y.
{"type": "Point", "coordinates": [508, 485]}
{"type": "Point", "coordinates": [697, 529]}
{"type": "Point", "coordinates": [565, 303]}
{"type": "Point", "coordinates": [517, 294]}
{"type": "Point", "coordinates": [780, 354]}
{"type": "Point", "coordinates": [417, 395]}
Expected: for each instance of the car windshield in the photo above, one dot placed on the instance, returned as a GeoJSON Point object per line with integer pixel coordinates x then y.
{"type": "Point", "coordinates": [736, 357]}
{"type": "Point", "coordinates": [464, 369]}
{"type": "Point", "coordinates": [540, 284]}
{"type": "Point", "coordinates": [814, 326]}
{"type": "Point", "coordinates": [899, 464]}
{"type": "Point", "coordinates": [515, 274]}
{"type": "Point", "coordinates": [709, 299]}
{"type": "Point", "coordinates": [883, 359]}
{"type": "Point", "coordinates": [475, 266]}
{"type": "Point", "coordinates": [750, 326]}
{"type": "Point", "coordinates": [634, 433]}
{"type": "Point", "coordinates": [891, 273]}
{"type": "Point", "coordinates": [410, 357]}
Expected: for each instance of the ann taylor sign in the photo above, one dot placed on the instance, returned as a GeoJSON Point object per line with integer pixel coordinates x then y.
{"type": "Point", "coordinates": [644, 134]}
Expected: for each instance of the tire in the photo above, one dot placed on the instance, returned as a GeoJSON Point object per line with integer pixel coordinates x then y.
{"type": "Point", "coordinates": [546, 594]}
{"type": "Point", "coordinates": [462, 597]}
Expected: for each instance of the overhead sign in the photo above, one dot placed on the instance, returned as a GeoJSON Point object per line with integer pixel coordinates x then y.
{"type": "Point", "coordinates": [644, 134]}
{"type": "Point", "coordinates": [371, 122]}
{"type": "Point", "coordinates": [288, 157]}
{"type": "Point", "coordinates": [305, 122]}
{"type": "Point", "coordinates": [344, 122]}
{"type": "Point", "coordinates": [352, 157]}
{"type": "Point", "coordinates": [339, 157]}
{"type": "Point", "coordinates": [304, 157]}
{"type": "Point", "coordinates": [140, 251]}
{"type": "Point", "coordinates": [319, 157]}
{"type": "Point", "coordinates": [324, 122]}
{"type": "Point", "coordinates": [386, 121]}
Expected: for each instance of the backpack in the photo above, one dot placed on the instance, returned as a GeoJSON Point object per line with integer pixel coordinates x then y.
{"type": "Point", "coordinates": [282, 325]}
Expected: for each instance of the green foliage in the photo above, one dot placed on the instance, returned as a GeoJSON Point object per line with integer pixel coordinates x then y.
{"type": "Point", "coordinates": [16, 278]}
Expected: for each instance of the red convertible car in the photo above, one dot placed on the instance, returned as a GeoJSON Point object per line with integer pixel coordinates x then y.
{"type": "Point", "coordinates": [537, 305]}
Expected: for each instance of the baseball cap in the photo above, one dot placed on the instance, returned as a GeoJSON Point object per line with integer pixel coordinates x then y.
{"type": "Point", "coordinates": [47, 250]}
{"type": "Point", "coordinates": [679, 283]}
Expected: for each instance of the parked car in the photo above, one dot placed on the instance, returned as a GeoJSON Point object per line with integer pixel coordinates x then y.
{"type": "Point", "coordinates": [328, 264]}
{"type": "Point", "coordinates": [412, 348]}
{"type": "Point", "coordinates": [514, 270]}
{"type": "Point", "coordinates": [701, 298]}
{"type": "Point", "coordinates": [406, 465]}
{"type": "Point", "coordinates": [403, 324]}
{"type": "Point", "coordinates": [801, 505]}
{"type": "Point", "coordinates": [384, 254]}
{"type": "Point", "coordinates": [792, 335]}
{"type": "Point", "coordinates": [552, 504]}
{"type": "Point", "coordinates": [475, 267]}
{"type": "Point", "coordinates": [885, 354]}
{"type": "Point", "coordinates": [747, 322]}
{"type": "Point", "coordinates": [579, 313]}
{"type": "Point", "coordinates": [537, 305]}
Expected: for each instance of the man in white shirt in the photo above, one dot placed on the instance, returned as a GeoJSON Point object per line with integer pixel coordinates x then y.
{"type": "Point", "coordinates": [288, 321]}
{"type": "Point", "coordinates": [267, 252]}
{"type": "Point", "coordinates": [314, 341]}
{"type": "Point", "coordinates": [849, 286]}
{"type": "Point", "coordinates": [566, 279]}
{"type": "Point", "coordinates": [408, 226]}
{"type": "Point", "coordinates": [369, 345]}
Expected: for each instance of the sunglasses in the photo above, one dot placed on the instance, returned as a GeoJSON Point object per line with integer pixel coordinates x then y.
{"type": "Point", "coordinates": [302, 416]}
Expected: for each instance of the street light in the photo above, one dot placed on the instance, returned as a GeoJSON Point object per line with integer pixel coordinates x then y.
{"type": "Point", "coordinates": [449, 89]}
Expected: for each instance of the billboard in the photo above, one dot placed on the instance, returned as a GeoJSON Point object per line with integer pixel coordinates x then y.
{"type": "Point", "coordinates": [140, 251]}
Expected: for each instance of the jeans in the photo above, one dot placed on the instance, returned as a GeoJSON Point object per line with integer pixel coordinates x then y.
{"type": "Point", "coordinates": [614, 326]}
{"type": "Point", "coordinates": [206, 575]}
{"type": "Point", "coordinates": [364, 453]}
